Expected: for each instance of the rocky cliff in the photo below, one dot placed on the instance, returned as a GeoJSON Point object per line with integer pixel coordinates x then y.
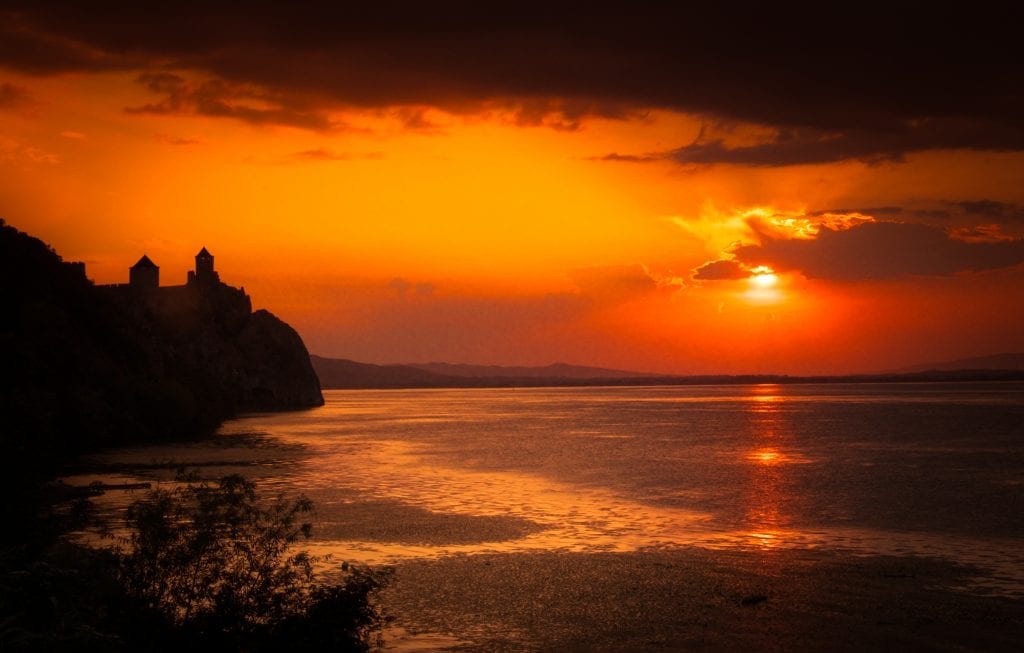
{"type": "Point", "coordinates": [83, 366]}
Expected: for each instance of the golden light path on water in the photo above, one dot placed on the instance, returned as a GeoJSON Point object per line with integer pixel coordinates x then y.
{"type": "Point", "coordinates": [398, 477]}
{"type": "Point", "coordinates": [587, 520]}
{"type": "Point", "coordinates": [569, 518]}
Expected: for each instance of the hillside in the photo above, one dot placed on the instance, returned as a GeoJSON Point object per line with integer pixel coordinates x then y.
{"type": "Point", "coordinates": [553, 371]}
{"type": "Point", "coordinates": [339, 373]}
{"type": "Point", "coordinates": [1010, 361]}
{"type": "Point", "coordinates": [85, 366]}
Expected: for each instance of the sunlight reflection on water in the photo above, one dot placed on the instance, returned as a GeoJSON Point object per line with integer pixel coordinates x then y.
{"type": "Point", "coordinates": [924, 470]}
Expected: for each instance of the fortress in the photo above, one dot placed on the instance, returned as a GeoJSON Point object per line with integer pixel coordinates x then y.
{"type": "Point", "coordinates": [203, 297]}
{"type": "Point", "coordinates": [144, 276]}
{"type": "Point", "coordinates": [95, 365]}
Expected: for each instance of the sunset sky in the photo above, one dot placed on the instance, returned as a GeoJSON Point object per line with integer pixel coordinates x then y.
{"type": "Point", "coordinates": [677, 191]}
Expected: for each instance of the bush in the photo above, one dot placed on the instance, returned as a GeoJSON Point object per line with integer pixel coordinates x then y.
{"type": "Point", "coordinates": [207, 562]}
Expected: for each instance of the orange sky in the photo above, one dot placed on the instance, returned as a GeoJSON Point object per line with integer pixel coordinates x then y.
{"type": "Point", "coordinates": [505, 226]}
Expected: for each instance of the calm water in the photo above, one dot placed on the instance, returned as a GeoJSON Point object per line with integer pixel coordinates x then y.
{"type": "Point", "coordinates": [927, 469]}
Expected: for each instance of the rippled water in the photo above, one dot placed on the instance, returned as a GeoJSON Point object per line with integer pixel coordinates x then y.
{"type": "Point", "coordinates": [929, 469]}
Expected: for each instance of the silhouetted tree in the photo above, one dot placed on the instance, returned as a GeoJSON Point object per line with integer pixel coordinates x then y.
{"type": "Point", "coordinates": [204, 565]}
{"type": "Point", "coordinates": [208, 562]}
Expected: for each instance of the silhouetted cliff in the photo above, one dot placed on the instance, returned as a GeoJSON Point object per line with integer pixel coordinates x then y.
{"type": "Point", "coordinates": [85, 366]}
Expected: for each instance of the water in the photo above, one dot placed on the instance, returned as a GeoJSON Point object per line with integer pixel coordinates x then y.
{"type": "Point", "coordinates": [401, 475]}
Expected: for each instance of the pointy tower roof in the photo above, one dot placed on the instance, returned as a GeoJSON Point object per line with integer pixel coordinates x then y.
{"type": "Point", "coordinates": [144, 262]}
{"type": "Point", "coordinates": [204, 253]}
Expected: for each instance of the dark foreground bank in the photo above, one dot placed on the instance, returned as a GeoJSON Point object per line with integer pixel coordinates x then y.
{"type": "Point", "coordinates": [85, 367]}
{"type": "Point", "coordinates": [694, 599]}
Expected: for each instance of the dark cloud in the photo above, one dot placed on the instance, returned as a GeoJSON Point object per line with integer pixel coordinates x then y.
{"type": "Point", "coordinates": [29, 47]}
{"type": "Point", "coordinates": [881, 250]}
{"type": "Point", "coordinates": [720, 270]}
{"type": "Point", "coordinates": [851, 83]}
{"type": "Point", "coordinates": [628, 158]}
{"type": "Point", "coordinates": [812, 146]}
{"type": "Point", "coordinates": [987, 207]}
{"type": "Point", "coordinates": [417, 119]}
{"type": "Point", "coordinates": [875, 211]}
{"type": "Point", "coordinates": [992, 209]}
{"type": "Point", "coordinates": [562, 114]}
{"type": "Point", "coordinates": [219, 99]}
{"type": "Point", "coordinates": [947, 213]}
{"type": "Point", "coordinates": [986, 233]}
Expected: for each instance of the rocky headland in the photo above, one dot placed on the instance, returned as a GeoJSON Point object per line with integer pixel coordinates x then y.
{"type": "Point", "coordinates": [87, 366]}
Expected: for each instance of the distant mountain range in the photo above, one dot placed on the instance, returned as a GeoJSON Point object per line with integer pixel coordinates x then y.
{"type": "Point", "coordinates": [340, 373]}
{"type": "Point", "coordinates": [993, 362]}
{"type": "Point", "coordinates": [343, 373]}
{"type": "Point", "coordinates": [553, 371]}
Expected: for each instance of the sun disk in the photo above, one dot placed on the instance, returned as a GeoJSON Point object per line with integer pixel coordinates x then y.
{"type": "Point", "coordinates": [764, 279]}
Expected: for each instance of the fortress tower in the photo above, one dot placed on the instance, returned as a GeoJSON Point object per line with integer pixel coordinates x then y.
{"type": "Point", "coordinates": [144, 275]}
{"type": "Point", "coordinates": [204, 272]}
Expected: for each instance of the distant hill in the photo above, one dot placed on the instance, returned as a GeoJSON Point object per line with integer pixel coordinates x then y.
{"type": "Point", "coordinates": [337, 373]}
{"type": "Point", "coordinates": [342, 373]}
{"type": "Point", "coordinates": [993, 362]}
{"type": "Point", "coordinates": [553, 371]}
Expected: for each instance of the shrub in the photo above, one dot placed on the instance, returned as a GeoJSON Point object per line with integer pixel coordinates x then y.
{"type": "Point", "coordinates": [208, 562]}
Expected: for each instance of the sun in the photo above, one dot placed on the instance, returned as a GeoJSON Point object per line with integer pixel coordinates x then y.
{"type": "Point", "coordinates": [763, 277]}
{"type": "Point", "coordinates": [763, 286]}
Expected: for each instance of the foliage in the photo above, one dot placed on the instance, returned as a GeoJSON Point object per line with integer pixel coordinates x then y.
{"type": "Point", "coordinates": [210, 553]}
{"type": "Point", "coordinates": [209, 561]}
{"type": "Point", "coordinates": [204, 565]}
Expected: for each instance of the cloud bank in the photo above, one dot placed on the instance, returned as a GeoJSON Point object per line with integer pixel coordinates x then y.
{"type": "Point", "coordinates": [849, 85]}
{"type": "Point", "coordinates": [880, 250]}
{"type": "Point", "coordinates": [721, 270]}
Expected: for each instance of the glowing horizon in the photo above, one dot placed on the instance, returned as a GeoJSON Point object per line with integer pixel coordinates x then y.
{"type": "Point", "coordinates": [428, 209]}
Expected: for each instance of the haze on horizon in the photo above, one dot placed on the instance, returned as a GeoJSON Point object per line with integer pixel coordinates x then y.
{"type": "Point", "coordinates": [672, 190]}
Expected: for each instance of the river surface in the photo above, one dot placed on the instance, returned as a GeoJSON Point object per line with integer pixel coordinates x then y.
{"type": "Point", "coordinates": [400, 476]}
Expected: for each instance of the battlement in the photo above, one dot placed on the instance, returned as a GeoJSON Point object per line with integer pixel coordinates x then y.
{"type": "Point", "coordinates": [202, 299]}
{"type": "Point", "coordinates": [144, 276]}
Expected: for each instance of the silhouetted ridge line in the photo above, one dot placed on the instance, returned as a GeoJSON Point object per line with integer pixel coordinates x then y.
{"type": "Point", "coordinates": [338, 373]}
{"type": "Point", "coordinates": [1006, 361]}
{"type": "Point", "coordinates": [88, 366]}
{"type": "Point", "coordinates": [555, 370]}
